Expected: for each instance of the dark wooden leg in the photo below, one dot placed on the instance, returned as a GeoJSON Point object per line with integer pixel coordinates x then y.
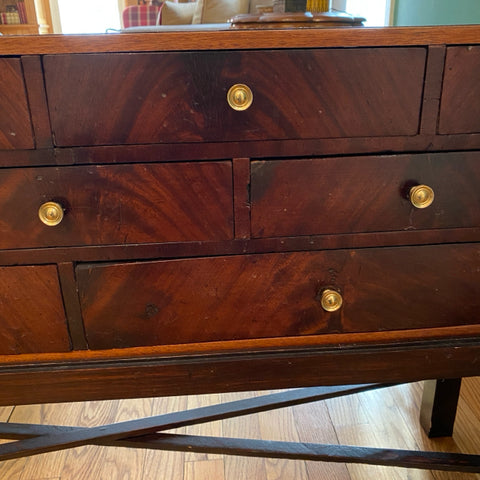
{"type": "Point", "coordinates": [439, 406]}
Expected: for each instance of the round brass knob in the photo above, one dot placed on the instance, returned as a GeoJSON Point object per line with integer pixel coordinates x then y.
{"type": "Point", "coordinates": [51, 213]}
{"type": "Point", "coordinates": [331, 300]}
{"type": "Point", "coordinates": [421, 196]}
{"type": "Point", "coordinates": [239, 97]}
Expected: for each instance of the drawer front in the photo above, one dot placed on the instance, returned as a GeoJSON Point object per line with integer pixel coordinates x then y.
{"type": "Point", "coordinates": [117, 204]}
{"type": "Point", "coordinates": [182, 97]}
{"type": "Point", "coordinates": [32, 319]}
{"type": "Point", "coordinates": [363, 194]}
{"type": "Point", "coordinates": [15, 123]}
{"type": "Point", "coordinates": [460, 102]}
{"type": "Point", "coordinates": [276, 295]}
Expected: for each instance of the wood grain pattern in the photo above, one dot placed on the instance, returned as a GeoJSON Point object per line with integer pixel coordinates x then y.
{"type": "Point", "coordinates": [362, 194]}
{"type": "Point", "coordinates": [204, 470]}
{"type": "Point", "coordinates": [382, 418]}
{"type": "Point", "coordinates": [439, 406]}
{"type": "Point", "coordinates": [253, 149]}
{"type": "Point", "coordinates": [460, 105]}
{"type": "Point", "coordinates": [228, 298]}
{"type": "Point", "coordinates": [200, 300]}
{"type": "Point", "coordinates": [118, 204]}
{"type": "Point", "coordinates": [33, 71]}
{"type": "Point", "coordinates": [355, 92]}
{"type": "Point", "coordinates": [209, 429]}
{"type": "Point", "coordinates": [325, 342]}
{"type": "Point", "coordinates": [32, 318]}
{"type": "Point", "coordinates": [432, 89]}
{"type": "Point", "coordinates": [241, 196]}
{"type": "Point", "coordinates": [66, 277]}
{"type": "Point", "coordinates": [172, 250]}
{"type": "Point", "coordinates": [240, 39]}
{"type": "Point", "coordinates": [157, 376]}
{"type": "Point", "coordinates": [368, 413]}
{"type": "Point", "coordinates": [27, 158]}
{"type": "Point", "coordinates": [306, 94]}
{"type": "Point", "coordinates": [15, 124]}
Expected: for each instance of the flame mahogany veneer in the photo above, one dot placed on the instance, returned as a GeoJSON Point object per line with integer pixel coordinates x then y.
{"type": "Point", "coordinates": [197, 241]}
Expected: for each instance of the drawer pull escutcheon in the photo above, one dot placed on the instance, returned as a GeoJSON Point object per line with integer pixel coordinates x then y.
{"type": "Point", "coordinates": [51, 213]}
{"type": "Point", "coordinates": [239, 96]}
{"type": "Point", "coordinates": [421, 196]}
{"type": "Point", "coordinates": [331, 300]}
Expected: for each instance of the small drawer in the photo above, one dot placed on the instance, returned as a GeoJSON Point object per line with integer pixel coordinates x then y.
{"type": "Point", "coordinates": [182, 96]}
{"type": "Point", "coordinates": [200, 300]}
{"type": "Point", "coordinates": [460, 101]}
{"type": "Point", "coordinates": [116, 204]}
{"type": "Point", "coordinates": [363, 194]}
{"type": "Point", "coordinates": [15, 123]}
{"type": "Point", "coordinates": [279, 295]}
{"type": "Point", "coordinates": [32, 318]}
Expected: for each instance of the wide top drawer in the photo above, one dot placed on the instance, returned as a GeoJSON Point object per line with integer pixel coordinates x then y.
{"type": "Point", "coordinates": [105, 99]}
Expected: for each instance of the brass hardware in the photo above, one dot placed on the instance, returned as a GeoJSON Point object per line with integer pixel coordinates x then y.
{"type": "Point", "coordinates": [331, 300]}
{"type": "Point", "coordinates": [421, 196]}
{"type": "Point", "coordinates": [51, 213]}
{"type": "Point", "coordinates": [239, 97]}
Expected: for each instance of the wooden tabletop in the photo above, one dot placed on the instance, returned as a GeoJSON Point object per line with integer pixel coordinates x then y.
{"type": "Point", "coordinates": [170, 40]}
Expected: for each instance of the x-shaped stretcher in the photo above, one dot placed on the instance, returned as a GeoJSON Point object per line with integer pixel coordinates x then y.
{"type": "Point", "coordinates": [149, 433]}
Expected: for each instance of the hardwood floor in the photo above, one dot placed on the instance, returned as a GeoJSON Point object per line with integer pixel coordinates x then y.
{"type": "Point", "coordinates": [383, 418]}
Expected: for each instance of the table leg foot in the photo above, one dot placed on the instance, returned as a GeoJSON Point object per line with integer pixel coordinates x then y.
{"type": "Point", "coordinates": [439, 406]}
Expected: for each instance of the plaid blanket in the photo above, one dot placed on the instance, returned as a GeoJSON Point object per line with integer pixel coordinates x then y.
{"type": "Point", "coordinates": [140, 15]}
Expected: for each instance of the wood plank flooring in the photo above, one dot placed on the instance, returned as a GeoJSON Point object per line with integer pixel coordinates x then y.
{"type": "Point", "coordinates": [383, 418]}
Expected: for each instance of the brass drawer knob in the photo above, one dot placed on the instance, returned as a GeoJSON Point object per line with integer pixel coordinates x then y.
{"type": "Point", "coordinates": [421, 196]}
{"type": "Point", "coordinates": [239, 97]}
{"type": "Point", "coordinates": [331, 300]}
{"type": "Point", "coordinates": [51, 213]}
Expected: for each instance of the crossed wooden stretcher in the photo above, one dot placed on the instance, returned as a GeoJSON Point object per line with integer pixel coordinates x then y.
{"type": "Point", "coordinates": [148, 433]}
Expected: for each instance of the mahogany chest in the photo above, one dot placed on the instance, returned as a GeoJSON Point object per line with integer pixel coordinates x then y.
{"type": "Point", "coordinates": [233, 210]}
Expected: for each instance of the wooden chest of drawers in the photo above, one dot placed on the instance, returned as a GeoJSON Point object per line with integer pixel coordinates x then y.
{"type": "Point", "coordinates": [162, 235]}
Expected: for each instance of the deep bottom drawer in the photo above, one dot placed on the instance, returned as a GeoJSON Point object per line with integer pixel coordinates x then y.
{"type": "Point", "coordinates": [274, 295]}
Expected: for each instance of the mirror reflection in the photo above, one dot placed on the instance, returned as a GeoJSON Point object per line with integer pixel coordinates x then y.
{"type": "Point", "coordinates": [23, 17]}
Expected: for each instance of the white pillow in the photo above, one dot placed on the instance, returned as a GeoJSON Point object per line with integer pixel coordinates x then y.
{"type": "Point", "coordinates": [173, 13]}
{"type": "Point", "coordinates": [218, 11]}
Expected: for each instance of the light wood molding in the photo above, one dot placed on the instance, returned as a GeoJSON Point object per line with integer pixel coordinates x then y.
{"type": "Point", "coordinates": [44, 16]}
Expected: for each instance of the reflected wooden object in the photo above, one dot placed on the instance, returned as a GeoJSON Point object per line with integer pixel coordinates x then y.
{"type": "Point", "coordinates": [307, 19]}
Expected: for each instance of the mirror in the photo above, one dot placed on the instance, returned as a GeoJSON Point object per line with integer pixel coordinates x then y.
{"type": "Point", "coordinates": [23, 17]}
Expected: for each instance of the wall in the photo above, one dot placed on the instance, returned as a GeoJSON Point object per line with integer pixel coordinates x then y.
{"type": "Point", "coordinates": [340, 5]}
{"type": "Point", "coordinates": [85, 16]}
{"type": "Point", "coordinates": [376, 12]}
{"type": "Point", "coordinates": [436, 12]}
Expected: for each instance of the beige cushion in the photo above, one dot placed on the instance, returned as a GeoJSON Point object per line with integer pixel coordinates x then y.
{"type": "Point", "coordinates": [218, 11]}
{"type": "Point", "coordinates": [177, 13]}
